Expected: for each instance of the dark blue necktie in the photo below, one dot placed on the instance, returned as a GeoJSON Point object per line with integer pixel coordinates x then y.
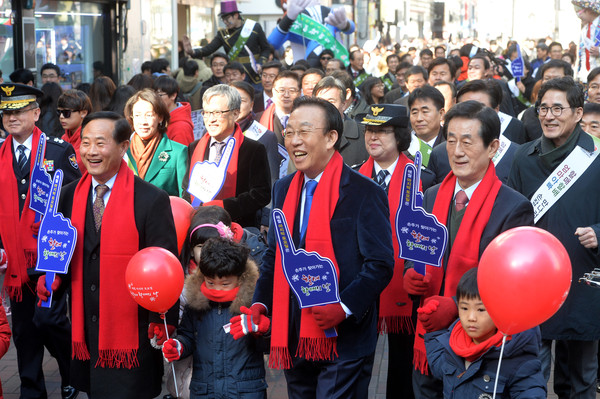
{"type": "Point", "coordinates": [22, 160]}
{"type": "Point", "coordinates": [381, 176]}
{"type": "Point", "coordinates": [311, 186]}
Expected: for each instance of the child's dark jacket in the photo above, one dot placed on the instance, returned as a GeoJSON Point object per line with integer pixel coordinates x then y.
{"type": "Point", "coordinates": [222, 366]}
{"type": "Point", "coordinates": [520, 371]}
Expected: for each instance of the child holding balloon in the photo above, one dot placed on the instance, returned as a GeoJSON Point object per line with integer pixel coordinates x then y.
{"type": "Point", "coordinates": [218, 293]}
{"type": "Point", "coordinates": [466, 355]}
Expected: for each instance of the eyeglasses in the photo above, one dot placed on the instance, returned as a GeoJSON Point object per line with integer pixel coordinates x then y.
{"type": "Point", "coordinates": [218, 114]}
{"type": "Point", "coordinates": [287, 91]}
{"type": "Point", "coordinates": [49, 76]}
{"type": "Point", "coordinates": [302, 134]}
{"type": "Point", "coordinates": [556, 110]}
{"type": "Point", "coordinates": [162, 94]}
{"type": "Point", "coordinates": [326, 58]}
{"type": "Point", "coordinates": [65, 112]}
{"type": "Point", "coordinates": [17, 112]}
{"type": "Point", "coordinates": [376, 130]}
{"type": "Point", "coordinates": [269, 76]}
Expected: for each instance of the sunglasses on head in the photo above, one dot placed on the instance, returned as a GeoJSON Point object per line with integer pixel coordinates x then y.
{"type": "Point", "coordinates": [66, 112]}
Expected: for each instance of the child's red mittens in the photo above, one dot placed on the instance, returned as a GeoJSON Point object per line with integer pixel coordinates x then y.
{"type": "Point", "coordinates": [437, 313]}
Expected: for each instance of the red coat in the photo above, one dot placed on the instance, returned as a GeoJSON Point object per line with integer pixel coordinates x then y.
{"type": "Point", "coordinates": [181, 128]}
{"type": "Point", "coordinates": [4, 337]}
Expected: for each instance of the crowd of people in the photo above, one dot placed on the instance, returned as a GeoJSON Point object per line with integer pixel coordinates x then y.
{"type": "Point", "coordinates": [323, 135]}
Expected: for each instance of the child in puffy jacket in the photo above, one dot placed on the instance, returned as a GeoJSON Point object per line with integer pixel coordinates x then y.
{"type": "Point", "coordinates": [465, 356]}
{"type": "Point", "coordinates": [217, 328]}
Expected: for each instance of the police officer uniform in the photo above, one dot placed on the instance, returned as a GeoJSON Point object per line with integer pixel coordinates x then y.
{"type": "Point", "coordinates": [35, 328]}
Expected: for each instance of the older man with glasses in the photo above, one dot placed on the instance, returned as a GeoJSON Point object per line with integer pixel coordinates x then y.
{"type": "Point", "coordinates": [51, 329]}
{"type": "Point", "coordinates": [247, 185]}
{"type": "Point", "coordinates": [557, 173]}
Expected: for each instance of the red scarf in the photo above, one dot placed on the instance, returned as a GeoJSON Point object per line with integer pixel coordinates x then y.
{"type": "Point", "coordinates": [393, 318]}
{"type": "Point", "coordinates": [464, 254]}
{"type": "Point", "coordinates": [266, 118]}
{"type": "Point", "coordinates": [229, 187]}
{"type": "Point", "coordinates": [17, 237]}
{"type": "Point", "coordinates": [118, 318]}
{"type": "Point", "coordinates": [75, 140]}
{"type": "Point", "coordinates": [464, 346]}
{"type": "Point", "coordinates": [587, 52]}
{"type": "Point", "coordinates": [219, 295]}
{"type": "Point", "coordinates": [313, 344]}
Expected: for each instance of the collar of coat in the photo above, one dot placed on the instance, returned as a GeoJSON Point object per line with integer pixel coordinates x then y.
{"type": "Point", "coordinates": [197, 301]}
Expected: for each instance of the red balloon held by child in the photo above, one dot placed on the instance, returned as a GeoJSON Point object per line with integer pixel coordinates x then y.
{"type": "Point", "coordinates": [182, 216]}
{"type": "Point", "coordinates": [524, 277]}
{"type": "Point", "coordinates": [155, 279]}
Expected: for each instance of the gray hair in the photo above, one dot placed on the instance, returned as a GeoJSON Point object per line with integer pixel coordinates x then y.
{"type": "Point", "coordinates": [234, 100]}
{"type": "Point", "coordinates": [329, 82]}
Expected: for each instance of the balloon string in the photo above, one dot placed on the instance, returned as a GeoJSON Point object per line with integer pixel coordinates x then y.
{"type": "Point", "coordinates": [162, 316]}
{"type": "Point", "coordinates": [499, 363]}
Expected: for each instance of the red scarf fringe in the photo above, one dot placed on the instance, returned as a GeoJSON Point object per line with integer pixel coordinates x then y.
{"type": "Point", "coordinates": [313, 345]}
{"type": "Point", "coordinates": [395, 324]}
{"type": "Point", "coordinates": [317, 349]}
{"type": "Point", "coordinates": [464, 254]}
{"type": "Point", "coordinates": [117, 358]}
{"type": "Point", "coordinates": [17, 237]}
{"type": "Point", "coordinates": [118, 312]}
{"type": "Point", "coordinates": [229, 187]}
{"type": "Point", "coordinates": [393, 318]}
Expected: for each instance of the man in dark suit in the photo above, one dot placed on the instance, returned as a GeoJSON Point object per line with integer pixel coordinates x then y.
{"type": "Point", "coordinates": [488, 93]}
{"type": "Point", "coordinates": [32, 328]}
{"type": "Point", "coordinates": [356, 238]}
{"type": "Point", "coordinates": [415, 77]}
{"type": "Point", "coordinates": [264, 98]}
{"type": "Point", "coordinates": [247, 186]}
{"type": "Point", "coordinates": [475, 207]}
{"type": "Point", "coordinates": [356, 68]}
{"type": "Point", "coordinates": [116, 214]}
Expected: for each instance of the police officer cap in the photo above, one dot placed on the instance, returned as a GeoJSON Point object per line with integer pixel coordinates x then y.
{"type": "Point", "coordinates": [384, 115]}
{"type": "Point", "coordinates": [17, 96]}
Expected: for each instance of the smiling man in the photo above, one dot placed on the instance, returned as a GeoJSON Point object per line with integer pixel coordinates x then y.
{"type": "Point", "coordinates": [475, 207]}
{"type": "Point", "coordinates": [247, 187]}
{"type": "Point", "coordinates": [116, 214]}
{"type": "Point", "coordinates": [343, 216]}
{"type": "Point", "coordinates": [18, 233]}
{"type": "Point", "coordinates": [286, 88]}
{"type": "Point", "coordinates": [558, 173]}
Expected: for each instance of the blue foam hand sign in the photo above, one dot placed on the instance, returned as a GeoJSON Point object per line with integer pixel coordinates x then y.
{"type": "Point", "coordinates": [421, 237]}
{"type": "Point", "coordinates": [312, 278]}
{"type": "Point", "coordinates": [207, 177]}
{"type": "Point", "coordinates": [57, 238]}
{"type": "Point", "coordinates": [517, 65]}
{"type": "Point", "coordinates": [40, 182]}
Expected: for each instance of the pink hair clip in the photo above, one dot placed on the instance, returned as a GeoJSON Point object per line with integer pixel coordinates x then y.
{"type": "Point", "coordinates": [224, 231]}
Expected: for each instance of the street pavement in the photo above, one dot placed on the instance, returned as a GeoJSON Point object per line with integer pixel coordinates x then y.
{"type": "Point", "coordinates": [277, 387]}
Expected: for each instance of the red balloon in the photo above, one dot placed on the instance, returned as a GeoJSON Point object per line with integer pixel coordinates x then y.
{"type": "Point", "coordinates": [182, 215]}
{"type": "Point", "coordinates": [154, 278]}
{"type": "Point", "coordinates": [524, 277]}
